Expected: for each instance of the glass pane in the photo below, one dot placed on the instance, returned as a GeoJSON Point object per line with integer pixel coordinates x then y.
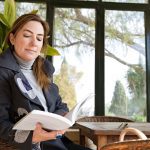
{"type": "Point", "coordinates": [125, 85]}
{"type": "Point", "coordinates": [127, 1]}
{"type": "Point", "coordinates": [23, 8]}
{"type": "Point", "coordinates": [1, 7]}
{"type": "Point", "coordinates": [74, 37]}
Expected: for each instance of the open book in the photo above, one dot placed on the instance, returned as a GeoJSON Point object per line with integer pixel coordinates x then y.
{"type": "Point", "coordinates": [49, 120]}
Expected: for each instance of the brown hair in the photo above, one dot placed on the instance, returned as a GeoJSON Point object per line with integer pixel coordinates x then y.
{"type": "Point", "coordinates": [38, 67]}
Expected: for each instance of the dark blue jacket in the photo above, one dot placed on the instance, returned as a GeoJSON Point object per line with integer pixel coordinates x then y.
{"type": "Point", "coordinates": [16, 100]}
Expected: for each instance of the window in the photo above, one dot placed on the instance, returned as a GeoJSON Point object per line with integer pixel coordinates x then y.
{"type": "Point", "coordinates": [1, 6]}
{"type": "Point", "coordinates": [74, 37]}
{"type": "Point", "coordinates": [24, 7]}
{"type": "Point", "coordinates": [125, 86]}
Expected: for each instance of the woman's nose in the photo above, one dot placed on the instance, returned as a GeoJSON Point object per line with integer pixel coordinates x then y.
{"type": "Point", "coordinates": [34, 41]}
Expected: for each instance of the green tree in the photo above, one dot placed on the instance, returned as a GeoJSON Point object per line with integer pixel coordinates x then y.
{"type": "Point", "coordinates": [137, 87]}
{"type": "Point", "coordinates": [119, 100]}
{"type": "Point", "coordinates": [65, 80]}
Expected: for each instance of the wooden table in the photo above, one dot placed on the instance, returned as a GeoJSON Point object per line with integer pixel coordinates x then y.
{"type": "Point", "coordinates": [102, 133]}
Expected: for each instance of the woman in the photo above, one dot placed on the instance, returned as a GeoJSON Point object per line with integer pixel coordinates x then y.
{"type": "Point", "coordinates": [25, 85]}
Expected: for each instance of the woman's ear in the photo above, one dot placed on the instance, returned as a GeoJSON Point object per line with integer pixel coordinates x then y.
{"type": "Point", "coordinates": [12, 38]}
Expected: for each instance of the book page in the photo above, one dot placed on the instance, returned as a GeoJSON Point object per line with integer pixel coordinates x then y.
{"type": "Point", "coordinates": [48, 120]}
{"type": "Point", "coordinates": [73, 113]}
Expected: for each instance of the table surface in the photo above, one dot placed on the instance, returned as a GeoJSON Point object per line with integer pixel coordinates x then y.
{"type": "Point", "coordinates": [112, 128]}
{"type": "Point", "coordinates": [102, 133]}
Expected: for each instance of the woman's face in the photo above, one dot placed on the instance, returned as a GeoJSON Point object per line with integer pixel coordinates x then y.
{"type": "Point", "coordinates": [28, 41]}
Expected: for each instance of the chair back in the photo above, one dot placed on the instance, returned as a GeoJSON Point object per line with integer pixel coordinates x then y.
{"type": "Point", "coordinates": [103, 119]}
{"type": "Point", "coordinates": [143, 143]}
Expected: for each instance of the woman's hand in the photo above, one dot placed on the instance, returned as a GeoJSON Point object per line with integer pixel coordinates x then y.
{"type": "Point", "coordinates": [39, 134]}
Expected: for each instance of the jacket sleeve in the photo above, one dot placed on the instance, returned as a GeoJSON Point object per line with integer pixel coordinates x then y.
{"type": "Point", "coordinates": [7, 114]}
{"type": "Point", "coordinates": [6, 123]}
{"type": "Point", "coordinates": [60, 107]}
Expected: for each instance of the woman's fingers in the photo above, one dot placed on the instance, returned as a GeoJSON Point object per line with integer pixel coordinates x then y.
{"type": "Point", "coordinates": [39, 134]}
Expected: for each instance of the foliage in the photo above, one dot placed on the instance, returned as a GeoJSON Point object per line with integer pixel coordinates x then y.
{"type": "Point", "coordinates": [66, 80]}
{"type": "Point", "coordinates": [7, 19]}
{"type": "Point", "coordinates": [119, 100]}
{"type": "Point", "coordinates": [67, 90]}
{"type": "Point", "coordinates": [137, 86]}
{"type": "Point", "coordinates": [135, 106]}
{"type": "Point", "coordinates": [139, 118]}
{"type": "Point", "coordinates": [136, 81]}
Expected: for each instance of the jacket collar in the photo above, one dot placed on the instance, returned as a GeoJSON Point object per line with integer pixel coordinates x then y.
{"type": "Point", "coordinates": [7, 60]}
{"type": "Point", "coordinates": [26, 89]}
